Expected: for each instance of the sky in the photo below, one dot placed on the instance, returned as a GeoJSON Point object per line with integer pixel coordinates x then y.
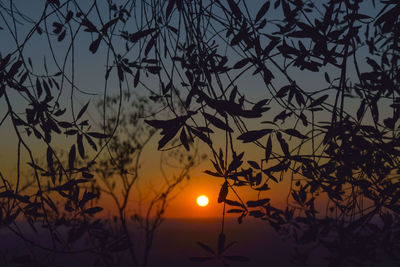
{"type": "Point", "coordinates": [90, 70]}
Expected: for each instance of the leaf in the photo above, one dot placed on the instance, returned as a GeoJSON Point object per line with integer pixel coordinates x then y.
{"type": "Point", "coordinates": [71, 157]}
{"type": "Point", "coordinates": [217, 122]}
{"type": "Point", "coordinates": [201, 135]}
{"type": "Point", "coordinates": [223, 192]}
{"type": "Point", "coordinates": [262, 11]}
{"type": "Point", "coordinates": [36, 167]}
{"type": "Point", "coordinates": [361, 110]}
{"type": "Point", "coordinates": [233, 203]}
{"type": "Point", "coordinates": [235, 9]}
{"type": "Point", "coordinates": [374, 111]}
{"type": "Point", "coordinates": [89, 26]}
{"type": "Point", "coordinates": [120, 73]}
{"type": "Point", "coordinates": [318, 101]}
{"type": "Point", "coordinates": [136, 79]}
{"type": "Point", "coordinates": [252, 136]}
{"type": "Point", "coordinates": [49, 156]}
{"type": "Point", "coordinates": [108, 25]}
{"type": "Point", "coordinates": [91, 143]}
{"type": "Point", "coordinates": [257, 203]}
{"type": "Point", "coordinates": [150, 44]}
{"type": "Point", "coordinates": [71, 132]}
{"type": "Point", "coordinates": [295, 133]}
{"type": "Point", "coordinates": [170, 6]}
{"type": "Point", "coordinates": [264, 187]}
{"type": "Point", "coordinates": [79, 142]}
{"type": "Point", "coordinates": [140, 34]}
{"type": "Point", "coordinates": [283, 143]}
{"type": "Point", "coordinates": [254, 164]}
{"type": "Point", "coordinates": [184, 139]}
{"type": "Point", "coordinates": [166, 89]}
{"type": "Point", "coordinates": [93, 210]}
{"type": "Point", "coordinates": [14, 69]}
{"type": "Point", "coordinates": [256, 213]}
{"type": "Point", "coordinates": [241, 63]}
{"type": "Point", "coordinates": [95, 44]}
{"type": "Point", "coordinates": [268, 149]}
{"type": "Point", "coordinates": [283, 91]}
{"type": "Point", "coordinates": [168, 133]}
{"type": "Point", "coordinates": [98, 135]}
{"type": "Point", "coordinates": [205, 247]}
{"type": "Point", "coordinates": [327, 77]}
{"type": "Point", "coordinates": [65, 124]}
{"type": "Point", "coordinates": [61, 36]}
{"type": "Point", "coordinates": [69, 16]}
{"type": "Point", "coordinates": [83, 109]}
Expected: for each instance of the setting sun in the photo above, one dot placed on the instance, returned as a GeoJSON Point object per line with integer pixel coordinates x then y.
{"type": "Point", "coordinates": [202, 201]}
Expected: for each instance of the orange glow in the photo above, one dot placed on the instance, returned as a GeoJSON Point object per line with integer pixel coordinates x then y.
{"type": "Point", "coordinates": [202, 201]}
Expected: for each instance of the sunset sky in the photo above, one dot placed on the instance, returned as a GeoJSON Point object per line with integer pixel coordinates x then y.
{"type": "Point", "coordinates": [90, 70]}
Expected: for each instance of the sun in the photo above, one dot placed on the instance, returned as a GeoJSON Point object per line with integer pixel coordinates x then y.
{"type": "Point", "coordinates": [202, 201]}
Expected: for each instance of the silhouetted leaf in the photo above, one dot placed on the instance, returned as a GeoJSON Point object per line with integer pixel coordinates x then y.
{"type": "Point", "coordinates": [71, 132]}
{"type": "Point", "coordinates": [82, 111]}
{"type": "Point", "coordinates": [235, 9]}
{"type": "Point", "coordinates": [136, 79]}
{"type": "Point", "coordinates": [91, 143]}
{"type": "Point", "coordinates": [65, 124]}
{"type": "Point", "coordinates": [95, 44]}
{"type": "Point", "coordinates": [205, 247]}
{"type": "Point", "coordinates": [268, 149]}
{"type": "Point", "coordinates": [233, 203]}
{"type": "Point", "coordinates": [223, 192]}
{"type": "Point", "coordinates": [150, 44]}
{"type": "Point", "coordinates": [283, 91]}
{"type": "Point", "coordinates": [254, 164]}
{"type": "Point", "coordinates": [257, 203]}
{"type": "Point", "coordinates": [170, 6]}
{"type": "Point", "coordinates": [184, 139]}
{"type": "Point", "coordinates": [217, 122]}
{"type": "Point", "coordinates": [241, 63]}
{"type": "Point", "coordinates": [252, 136]}
{"type": "Point", "coordinates": [61, 36]}
{"type": "Point", "coordinates": [79, 142]}
{"type": "Point", "coordinates": [93, 210]}
{"type": "Point", "coordinates": [201, 135]}
{"type": "Point", "coordinates": [295, 133]}
{"type": "Point", "coordinates": [140, 34]}
{"type": "Point", "coordinates": [318, 101]}
{"type": "Point", "coordinates": [98, 135]}
{"type": "Point", "coordinates": [71, 157]}
{"type": "Point", "coordinates": [14, 69]}
{"type": "Point", "coordinates": [327, 77]}
{"type": "Point", "coordinates": [262, 11]}
{"type": "Point", "coordinates": [235, 211]}
{"type": "Point", "coordinates": [360, 111]}
{"type": "Point", "coordinates": [256, 213]}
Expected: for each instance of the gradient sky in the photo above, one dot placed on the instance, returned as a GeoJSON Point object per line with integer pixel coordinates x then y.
{"type": "Point", "coordinates": [90, 77]}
